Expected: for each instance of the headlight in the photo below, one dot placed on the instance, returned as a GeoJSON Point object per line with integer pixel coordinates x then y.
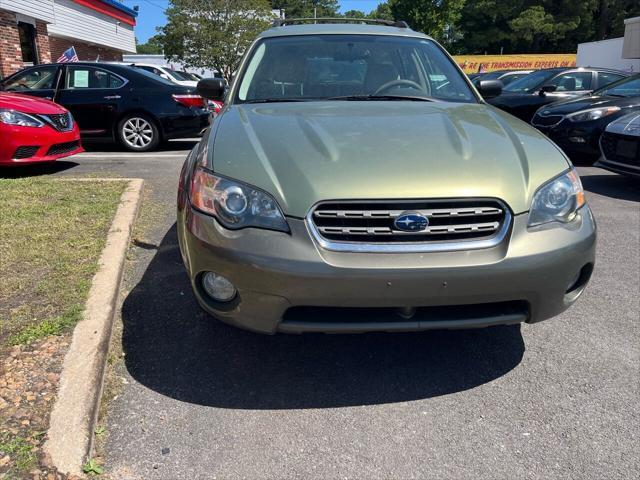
{"type": "Point", "coordinates": [592, 114]}
{"type": "Point", "coordinates": [235, 204]}
{"type": "Point", "coordinates": [11, 117]}
{"type": "Point", "coordinates": [557, 200]}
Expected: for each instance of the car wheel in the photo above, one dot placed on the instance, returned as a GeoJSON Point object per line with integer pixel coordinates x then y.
{"type": "Point", "coordinates": [138, 133]}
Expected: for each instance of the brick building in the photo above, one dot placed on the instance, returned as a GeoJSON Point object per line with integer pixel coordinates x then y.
{"type": "Point", "coordinates": [39, 31]}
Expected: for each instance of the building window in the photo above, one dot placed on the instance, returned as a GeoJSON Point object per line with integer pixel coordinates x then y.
{"type": "Point", "coordinates": [27, 34]}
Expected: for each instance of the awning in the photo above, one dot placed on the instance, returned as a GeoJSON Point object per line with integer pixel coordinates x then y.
{"type": "Point", "coordinates": [631, 46]}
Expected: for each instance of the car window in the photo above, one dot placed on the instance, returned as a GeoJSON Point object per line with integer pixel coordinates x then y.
{"type": "Point", "coordinates": [324, 66]}
{"type": "Point", "coordinates": [628, 87]}
{"type": "Point", "coordinates": [492, 75]}
{"type": "Point", "coordinates": [153, 70]}
{"type": "Point", "coordinates": [605, 78]}
{"type": "Point", "coordinates": [572, 81]}
{"type": "Point", "coordinates": [81, 77]}
{"type": "Point", "coordinates": [507, 79]}
{"type": "Point", "coordinates": [531, 82]}
{"type": "Point", "coordinates": [152, 76]}
{"type": "Point", "coordinates": [180, 75]}
{"type": "Point", "coordinates": [38, 78]}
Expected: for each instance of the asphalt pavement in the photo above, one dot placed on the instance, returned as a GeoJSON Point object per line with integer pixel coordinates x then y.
{"type": "Point", "coordinates": [558, 399]}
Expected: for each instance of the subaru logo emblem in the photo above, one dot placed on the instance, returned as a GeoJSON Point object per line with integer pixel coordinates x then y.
{"type": "Point", "coordinates": [411, 222]}
{"type": "Point", "coordinates": [63, 121]}
{"type": "Point", "coordinates": [546, 112]}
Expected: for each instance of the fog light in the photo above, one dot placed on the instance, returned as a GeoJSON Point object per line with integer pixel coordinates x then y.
{"type": "Point", "coordinates": [577, 139]}
{"type": "Point", "coordinates": [218, 287]}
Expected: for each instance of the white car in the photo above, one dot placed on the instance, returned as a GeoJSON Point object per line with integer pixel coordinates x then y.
{"type": "Point", "coordinates": [175, 76]}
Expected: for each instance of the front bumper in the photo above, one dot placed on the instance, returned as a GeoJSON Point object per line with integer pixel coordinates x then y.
{"type": "Point", "coordinates": [44, 144]}
{"type": "Point", "coordinates": [618, 167]}
{"type": "Point", "coordinates": [275, 272]}
{"type": "Point", "coordinates": [575, 139]}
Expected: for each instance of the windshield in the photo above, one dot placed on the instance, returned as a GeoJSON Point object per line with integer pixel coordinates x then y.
{"type": "Point", "coordinates": [629, 87]}
{"type": "Point", "coordinates": [531, 82]}
{"type": "Point", "coordinates": [491, 75]}
{"type": "Point", "coordinates": [317, 67]}
{"type": "Point", "coordinates": [182, 76]}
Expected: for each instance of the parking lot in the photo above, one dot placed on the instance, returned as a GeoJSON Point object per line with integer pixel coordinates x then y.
{"type": "Point", "coordinates": [204, 400]}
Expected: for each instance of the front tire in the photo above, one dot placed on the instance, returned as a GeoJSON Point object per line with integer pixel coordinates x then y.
{"type": "Point", "coordinates": [138, 133]}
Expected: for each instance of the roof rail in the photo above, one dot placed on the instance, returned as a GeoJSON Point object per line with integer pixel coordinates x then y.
{"type": "Point", "coordinates": [281, 22]}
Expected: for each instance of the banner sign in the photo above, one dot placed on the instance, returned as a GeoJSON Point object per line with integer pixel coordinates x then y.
{"type": "Point", "coordinates": [489, 63]}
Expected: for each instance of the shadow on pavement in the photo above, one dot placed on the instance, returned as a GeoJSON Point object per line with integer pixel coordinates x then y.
{"type": "Point", "coordinates": [36, 170]}
{"type": "Point", "coordinates": [110, 146]}
{"type": "Point", "coordinates": [177, 350]}
{"type": "Point", "coordinates": [613, 185]}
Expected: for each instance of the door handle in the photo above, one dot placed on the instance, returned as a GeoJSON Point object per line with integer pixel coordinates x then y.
{"type": "Point", "coordinates": [112, 97]}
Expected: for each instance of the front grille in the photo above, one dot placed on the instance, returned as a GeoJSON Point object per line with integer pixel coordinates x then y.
{"type": "Point", "coordinates": [373, 222]}
{"type": "Point", "coordinates": [621, 148]}
{"type": "Point", "coordinates": [60, 148]}
{"type": "Point", "coordinates": [547, 120]}
{"type": "Point", "coordinates": [63, 122]}
{"type": "Point", "coordinates": [25, 152]}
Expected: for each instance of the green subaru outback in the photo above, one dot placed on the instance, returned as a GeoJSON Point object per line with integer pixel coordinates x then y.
{"type": "Point", "coordinates": [356, 181]}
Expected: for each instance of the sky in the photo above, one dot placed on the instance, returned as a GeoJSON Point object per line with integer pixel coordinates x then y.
{"type": "Point", "coordinates": [151, 13]}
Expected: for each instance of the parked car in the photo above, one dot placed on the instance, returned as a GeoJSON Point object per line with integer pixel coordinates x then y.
{"type": "Point", "coordinates": [117, 102]}
{"type": "Point", "coordinates": [349, 188]}
{"type": "Point", "coordinates": [174, 76]}
{"type": "Point", "coordinates": [35, 130]}
{"type": "Point", "coordinates": [620, 146]}
{"type": "Point", "coordinates": [505, 76]}
{"type": "Point", "coordinates": [523, 97]}
{"type": "Point", "coordinates": [576, 125]}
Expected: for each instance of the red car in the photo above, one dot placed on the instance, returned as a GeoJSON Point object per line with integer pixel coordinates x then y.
{"type": "Point", "coordinates": [35, 130]}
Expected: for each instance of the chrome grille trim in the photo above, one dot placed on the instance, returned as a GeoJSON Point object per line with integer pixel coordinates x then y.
{"type": "Point", "coordinates": [422, 241]}
{"type": "Point", "coordinates": [56, 121]}
{"type": "Point", "coordinates": [438, 230]}
{"type": "Point", "coordinates": [441, 212]}
{"type": "Point", "coordinates": [546, 120]}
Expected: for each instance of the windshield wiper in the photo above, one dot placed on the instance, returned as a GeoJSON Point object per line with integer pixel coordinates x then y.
{"type": "Point", "coordinates": [365, 98]}
{"type": "Point", "coordinates": [614, 95]}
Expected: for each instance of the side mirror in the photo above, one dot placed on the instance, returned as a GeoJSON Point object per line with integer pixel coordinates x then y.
{"type": "Point", "coordinates": [489, 88]}
{"type": "Point", "coordinates": [211, 88]}
{"type": "Point", "coordinates": [548, 89]}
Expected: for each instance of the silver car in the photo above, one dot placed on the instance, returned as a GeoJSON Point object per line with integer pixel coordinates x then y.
{"type": "Point", "coordinates": [620, 146]}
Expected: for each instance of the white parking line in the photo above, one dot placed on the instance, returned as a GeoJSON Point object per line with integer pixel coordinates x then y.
{"type": "Point", "coordinates": [92, 155]}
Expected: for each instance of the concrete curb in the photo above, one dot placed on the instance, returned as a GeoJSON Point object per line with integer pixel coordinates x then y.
{"type": "Point", "coordinates": [70, 435]}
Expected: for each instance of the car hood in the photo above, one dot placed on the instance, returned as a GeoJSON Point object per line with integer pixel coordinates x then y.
{"type": "Point", "coordinates": [591, 101]}
{"type": "Point", "coordinates": [29, 104]}
{"type": "Point", "coordinates": [306, 152]}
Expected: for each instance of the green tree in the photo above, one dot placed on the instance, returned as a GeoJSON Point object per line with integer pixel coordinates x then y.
{"type": "Point", "coordinates": [213, 34]}
{"type": "Point", "coordinates": [152, 46]}
{"type": "Point", "coordinates": [304, 8]}
{"type": "Point", "coordinates": [437, 18]}
{"type": "Point", "coordinates": [355, 14]}
{"type": "Point", "coordinates": [382, 12]}
{"type": "Point", "coordinates": [609, 17]}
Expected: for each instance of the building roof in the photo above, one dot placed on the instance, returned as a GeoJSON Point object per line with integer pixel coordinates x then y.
{"type": "Point", "coordinates": [121, 6]}
{"type": "Point", "coordinates": [339, 28]}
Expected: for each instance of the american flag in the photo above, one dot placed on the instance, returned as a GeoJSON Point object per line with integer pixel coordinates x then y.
{"type": "Point", "coordinates": [69, 55]}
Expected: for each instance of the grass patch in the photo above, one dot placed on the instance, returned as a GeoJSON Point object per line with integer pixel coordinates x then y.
{"type": "Point", "coordinates": [20, 450]}
{"type": "Point", "coordinates": [51, 235]}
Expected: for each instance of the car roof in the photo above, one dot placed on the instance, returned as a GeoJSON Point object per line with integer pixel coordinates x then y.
{"type": "Point", "coordinates": [340, 29]}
